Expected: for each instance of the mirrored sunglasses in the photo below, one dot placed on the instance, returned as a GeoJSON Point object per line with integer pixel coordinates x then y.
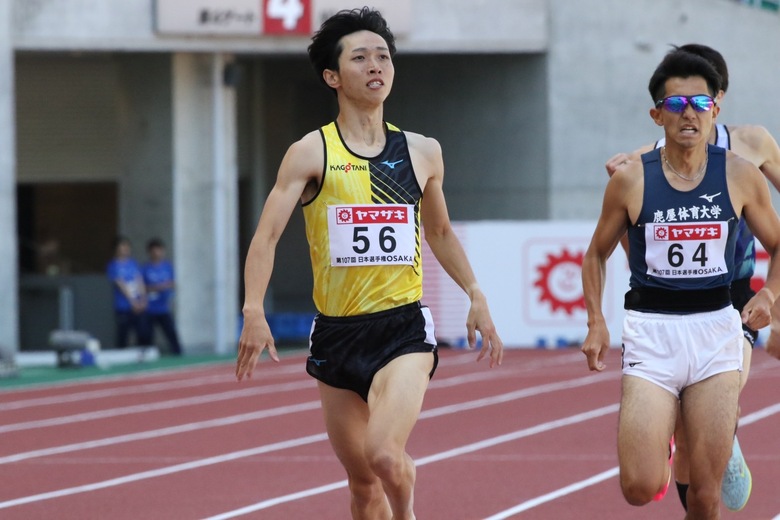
{"type": "Point", "coordinates": [677, 104]}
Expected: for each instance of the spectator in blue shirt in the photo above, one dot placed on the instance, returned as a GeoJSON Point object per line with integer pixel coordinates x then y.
{"type": "Point", "coordinates": [159, 279]}
{"type": "Point", "coordinates": [129, 295]}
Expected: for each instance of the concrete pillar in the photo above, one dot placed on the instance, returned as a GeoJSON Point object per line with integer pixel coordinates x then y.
{"type": "Point", "coordinates": [259, 180]}
{"type": "Point", "coordinates": [205, 207]}
{"type": "Point", "coordinates": [9, 296]}
{"type": "Point", "coordinates": [146, 178]}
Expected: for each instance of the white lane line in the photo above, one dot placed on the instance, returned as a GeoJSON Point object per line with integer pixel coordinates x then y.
{"type": "Point", "coordinates": [591, 379]}
{"type": "Point", "coordinates": [80, 396]}
{"type": "Point", "coordinates": [274, 412]}
{"type": "Point", "coordinates": [110, 392]}
{"type": "Point", "coordinates": [198, 400]}
{"type": "Point", "coordinates": [572, 488]}
{"type": "Point", "coordinates": [595, 479]}
{"type": "Point", "coordinates": [227, 377]}
{"type": "Point", "coordinates": [519, 434]}
{"type": "Point", "coordinates": [759, 415]}
{"type": "Point", "coordinates": [154, 434]}
{"type": "Point", "coordinates": [149, 373]}
{"type": "Point", "coordinates": [519, 394]}
{"type": "Point", "coordinates": [436, 457]}
{"type": "Point", "coordinates": [164, 471]}
{"type": "Point", "coordinates": [195, 379]}
{"type": "Point", "coordinates": [160, 405]}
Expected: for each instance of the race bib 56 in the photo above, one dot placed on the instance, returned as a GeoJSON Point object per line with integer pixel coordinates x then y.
{"type": "Point", "coordinates": [376, 234]}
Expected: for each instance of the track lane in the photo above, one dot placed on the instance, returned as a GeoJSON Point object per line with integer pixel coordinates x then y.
{"type": "Point", "coordinates": [464, 401]}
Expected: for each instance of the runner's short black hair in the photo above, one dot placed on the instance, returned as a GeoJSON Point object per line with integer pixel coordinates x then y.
{"type": "Point", "coordinates": [325, 47]}
{"type": "Point", "coordinates": [683, 64]}
{"type": "Point", "coordinates": [714, 57]}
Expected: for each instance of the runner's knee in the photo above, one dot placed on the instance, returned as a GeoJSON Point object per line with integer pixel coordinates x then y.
{"type": "Point", "coordinates": [389, 464]}
{"type": "Point", "coordinates": [364, 488]}
{"type": "Point", "coordinates": [638, 491]}
{"type": "Point", "coordinates": [703, 498]}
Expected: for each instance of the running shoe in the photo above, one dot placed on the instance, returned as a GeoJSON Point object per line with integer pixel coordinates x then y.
{"type": "Point", "coordinates": [662, 493]}
{"type": "Point", "coordinates": [737, 481]}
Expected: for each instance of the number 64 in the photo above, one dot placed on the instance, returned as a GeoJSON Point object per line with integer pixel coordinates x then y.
{"type": "Point", "coordinates": [675, 256]}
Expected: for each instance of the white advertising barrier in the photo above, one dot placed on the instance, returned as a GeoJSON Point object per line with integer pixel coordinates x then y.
{"type": "Point", "coordinates": [531, 274]}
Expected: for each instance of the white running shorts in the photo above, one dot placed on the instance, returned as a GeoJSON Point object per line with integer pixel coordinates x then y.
{"type": "Point", "coordinates": [675, 351]}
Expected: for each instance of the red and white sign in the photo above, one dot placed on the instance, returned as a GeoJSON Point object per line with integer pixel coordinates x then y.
{"type": "Point", "coordinates": [531, 273]}
{"type": "Point", "coordinates": [687, 231]}
{"type": "Point", "coordinates": [372, 214]}
{"type": "Point", "coordinates": [287, 17]}
{"type": "Point", "coordinates": [264, 17]}
{"type": "Point", "coordinates": [559, 280]}
{"type": "Point", "coordinates": [208, 17]}
{"type": "Point", "coordinates": [762, 268]}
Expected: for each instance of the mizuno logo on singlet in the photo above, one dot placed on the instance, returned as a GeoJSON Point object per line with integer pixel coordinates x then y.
{"type": "Point", "coordinates": [317, 362]}
{"type": "Point", "coordinates": [391, 164]}
{"type": "Point", "coordinates": [709, 198]}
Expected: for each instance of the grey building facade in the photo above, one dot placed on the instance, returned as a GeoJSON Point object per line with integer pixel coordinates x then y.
{"type": "Point", "coordinates": [110, 125]}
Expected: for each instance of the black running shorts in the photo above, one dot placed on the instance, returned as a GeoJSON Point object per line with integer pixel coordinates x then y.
{"type": "Point", "coordinates": [741, 293]}
{"type": "Point", "coordinates": [346, 352]}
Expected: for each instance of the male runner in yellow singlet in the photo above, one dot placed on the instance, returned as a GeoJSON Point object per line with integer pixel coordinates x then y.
{"type": "Point", "coordinates": [366, 188]}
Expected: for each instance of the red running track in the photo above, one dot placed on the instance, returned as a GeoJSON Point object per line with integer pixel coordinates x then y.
{"type": "Point", "coordinates": [533, 439]}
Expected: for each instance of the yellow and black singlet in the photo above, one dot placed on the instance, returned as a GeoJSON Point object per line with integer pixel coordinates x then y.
{"type": "Point", "coordinates": [363, 228]}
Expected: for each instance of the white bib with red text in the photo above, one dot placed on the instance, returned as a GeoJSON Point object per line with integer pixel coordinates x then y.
{"type": "Point", "coordinates": [375, 234]}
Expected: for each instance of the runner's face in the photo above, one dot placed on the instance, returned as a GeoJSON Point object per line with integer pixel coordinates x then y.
{"type": "Point", "coordinates": [365, 66]}
{"type": "Point", "coordinates": [688, 128]}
